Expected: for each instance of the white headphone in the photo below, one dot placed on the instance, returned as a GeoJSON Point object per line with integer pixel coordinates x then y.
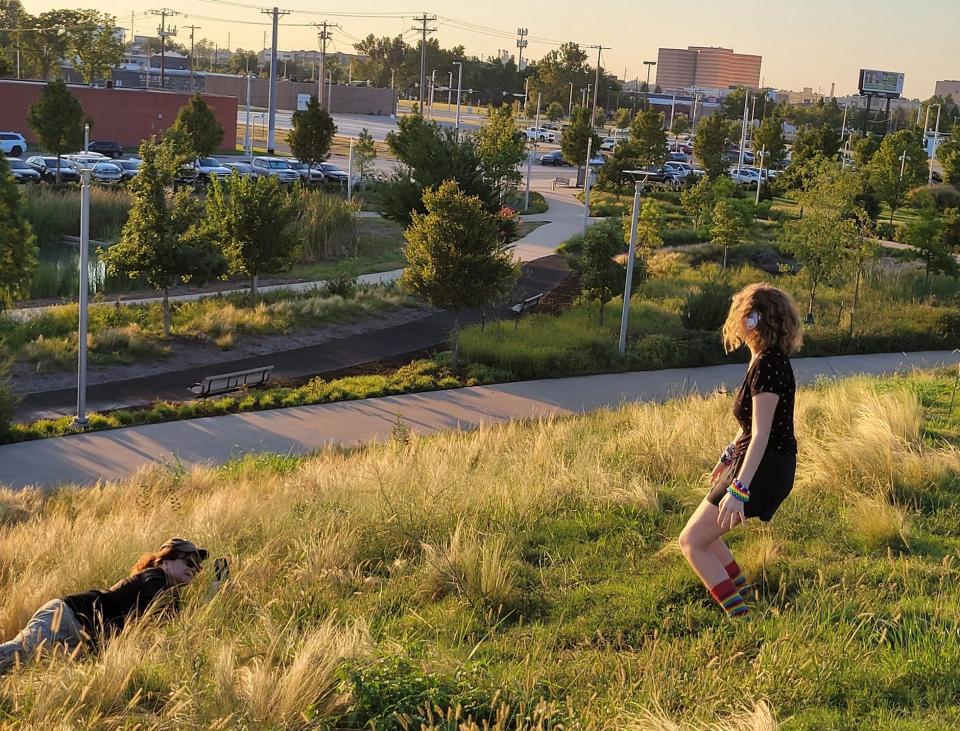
{"type": "Point", "coordinates": [752, 320]}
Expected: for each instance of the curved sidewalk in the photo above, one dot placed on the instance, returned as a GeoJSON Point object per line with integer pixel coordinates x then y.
{"type": "Point", "coordinates": [110, 455]}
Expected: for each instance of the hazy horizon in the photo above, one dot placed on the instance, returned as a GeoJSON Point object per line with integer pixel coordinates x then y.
{"type": "Point", "coordinates": [812, 45]}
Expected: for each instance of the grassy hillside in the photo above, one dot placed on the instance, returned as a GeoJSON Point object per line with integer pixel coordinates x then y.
{"type": "Point", "coordinates": [527, 576]}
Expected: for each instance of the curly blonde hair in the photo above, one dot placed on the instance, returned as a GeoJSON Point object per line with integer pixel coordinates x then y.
{"type": "Point", "coordinates": [779, 325]}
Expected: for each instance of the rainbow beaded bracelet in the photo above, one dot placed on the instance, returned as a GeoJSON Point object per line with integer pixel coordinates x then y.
{"type": "Point", "coordinates": [737, 489]}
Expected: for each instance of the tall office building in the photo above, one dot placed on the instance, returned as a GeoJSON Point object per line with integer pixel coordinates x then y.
{"type": "Point", "coordinates": [948, 88]}
{"type": "Point", "coordinates": [705, 67]}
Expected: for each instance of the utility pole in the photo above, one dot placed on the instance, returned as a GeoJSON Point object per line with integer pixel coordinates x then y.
{"type": "Point", "coordinates": [323, 36]}
{"type": "Point", "coordinates": [743, 132]}
{"type": "Point", "coordinates": [596, 83]}
{"type": "Point", "coordinates": [521, 44]}
{"type": "Point", "coordinates": [646, 94]}
{"type": "Point", "coordinates": [272, 101]}
{"type": "Point", "coordinates": [192, 28]}
{"type": "Point", "coordinates": [936, 143]}
{"type": "Point", "coordinates": [424, 21]}
{"type": "Point", "coordinates": [163, 33]}
{"type": "Point", "coordinates": [459, 65]}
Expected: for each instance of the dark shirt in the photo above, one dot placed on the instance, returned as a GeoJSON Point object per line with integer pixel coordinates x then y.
{"type": "Point", "coordinates": [770, 372]}
{"type": "Point", "coordinates": [104, 611]}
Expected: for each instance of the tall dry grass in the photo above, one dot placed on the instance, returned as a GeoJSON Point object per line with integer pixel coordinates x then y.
{"type": "Point", "coordinates": [324, 549]}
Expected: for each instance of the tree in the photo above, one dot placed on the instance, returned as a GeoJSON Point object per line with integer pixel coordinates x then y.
{"type": "Point", "coordinates": [649, 228]}
{"type": "Point", "coordinates": [732, 105]}
{"type": "Point", "coordinates": [554, 111]}
{"type": "Point", "coordinates": [455, 258]}
{"type": "Point", "coordinates": [599, 117]}
{"type": "Point", "coordinates": [250, 219]}
{"type": "Point", "coordinates": [93, 43]}
{"type": "Point", "coordinates": [501, 148]}
{"type": "Point", "coordinates": [199, 125]}
{"type": "Point", "coordinates": [822, 141]}
{"type": "Point", "coordinates": [621, 119]}
{"type": "Point", "coordinates": [429, 155]}
{"type": "Point", "coordinates": [681, 124]}
{"type": "Point", "coordinates": [726, 229]}
{"type": "Point", "coordinates": [948, 153]}
{"type": "Point", "coordinates": [312, 133]}
{"type": "Point", "coordinates": [864, 147]}
{"type": "Point", "coordinates": [601, 276]}
{"type": "Point", "coordinates": [769, 135]}
{"type": "Point", "coordinates": [648, 138]}
{"type": "Point", "coordinates": [575, 138]}
{"type": "Point", "coordinates": [823, 239]}
{"type": "Point", "coordinates": [926, 235]}
{"type": "Point", "coordinates": [46, 42]}
{"type": "Point", "coordinates": [18, 250]}
{"type": "Point", "coordinates": [364, 152]}
{"type": "Point", "coordinates": [710, 146]}
{"type": "Point", "coordinates": [697, 201]}
{"type": "Point", "coordinates": [884, 168]}
{"type": "Point", "coordinates": [611, 175]}
{"type": "Point", "coordinates": [57, 118]}
{"type": "Point", "coordinates": [162, 240]}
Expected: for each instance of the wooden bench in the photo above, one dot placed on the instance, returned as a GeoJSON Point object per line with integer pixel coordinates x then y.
{"type": "Point", "coordinates": [212, 385]}
{"type": "Point", "coordinates": [565, 182]}
{"type": "Point", "coordinates": [528, 304]}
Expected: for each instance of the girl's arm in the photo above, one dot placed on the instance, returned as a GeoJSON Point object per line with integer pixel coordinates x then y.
{"type": "Point", "coordinates": [764, 407]}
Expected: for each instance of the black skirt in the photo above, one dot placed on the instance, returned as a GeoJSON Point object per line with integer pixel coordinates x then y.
{"type": "Point", "coordinates": [769, 487]}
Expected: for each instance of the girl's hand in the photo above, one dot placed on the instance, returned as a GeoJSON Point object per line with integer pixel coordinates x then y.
{"type": "Point", "coordinates": [731, 512]}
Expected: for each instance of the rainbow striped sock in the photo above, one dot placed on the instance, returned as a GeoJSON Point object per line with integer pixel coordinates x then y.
{"type": "Point", "coordinates": [729, 598]}
{"type": "Point", "coordinates": [738, 579]}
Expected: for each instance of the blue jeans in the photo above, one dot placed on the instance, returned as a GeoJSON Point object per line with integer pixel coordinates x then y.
{"type": "Point", "coordinates": [53, 625]}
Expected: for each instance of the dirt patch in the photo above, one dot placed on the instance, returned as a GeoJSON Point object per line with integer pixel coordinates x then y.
{"type": "Point", "coordinates": [562, 297]}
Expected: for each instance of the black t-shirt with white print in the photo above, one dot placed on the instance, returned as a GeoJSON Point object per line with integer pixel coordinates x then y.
{"type": "Point", "coordinates": [770, 372]}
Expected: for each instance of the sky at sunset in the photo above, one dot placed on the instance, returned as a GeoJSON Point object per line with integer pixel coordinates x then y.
{"type": "Point", "coordinates": [810, 43]}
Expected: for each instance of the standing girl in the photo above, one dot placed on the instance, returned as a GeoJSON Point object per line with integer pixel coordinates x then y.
{"type": "Point", "coordinates": [756, 470]}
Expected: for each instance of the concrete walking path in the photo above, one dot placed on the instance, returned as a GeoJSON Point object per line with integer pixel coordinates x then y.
{"type": "Point", "coordinates": [112, 455]}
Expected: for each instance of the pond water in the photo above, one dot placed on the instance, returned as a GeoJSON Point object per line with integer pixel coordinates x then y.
{"type": "Point", "coordinates": [58, 273]}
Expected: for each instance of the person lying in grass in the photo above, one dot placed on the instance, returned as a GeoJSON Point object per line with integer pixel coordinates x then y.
{"type": "Point", "coordinates": [81, 621]}
{"type": "Point", "coordinates": [756, 470]}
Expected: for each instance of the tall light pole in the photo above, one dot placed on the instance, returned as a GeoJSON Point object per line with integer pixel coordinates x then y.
{"type": "Point", "coordinates": [272, 100]}
{"type": "Point", "coordinates": [81, 418]}
{"type": "Point", "coordinates": [433, 86]}
{"type": "Point", "coordinates": [639, 176]}
{"type": "Point", "coordinates": [459, 65]}
{"type": "Point", "coordinates": [596, 83]}
{"type": "Point", "coordinates": [743, 132]}
{"type": "Point", "coordinates": [531, 155]}
{"type": "Point", "coordinates": [350, 172]}
{"type": "Point", "coordinates": [86, 137]}
{"type": "Point", "coordinates": [247, 138]}
{"type": "Point", "coordinates": [936, 139]}
{"type": "Point", "coordinates": [762, 154]}
{"type": "Point", "coordinates": [646, 94]}
{"type": "Point", "coordinates": [570, 103]}
{"type": "Point", "coordinates": [586, 184]}
{"type": "Point", "coordinates": [449, 90]}
{"type": "Point", "coordinates": [896, 195]}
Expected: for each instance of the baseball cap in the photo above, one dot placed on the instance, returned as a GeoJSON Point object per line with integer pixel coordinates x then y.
{"type": "Point", "coordinates": [182, 545]}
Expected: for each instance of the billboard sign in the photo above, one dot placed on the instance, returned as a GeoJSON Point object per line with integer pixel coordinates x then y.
{"type": "Point", "coordinates": [888, 84]}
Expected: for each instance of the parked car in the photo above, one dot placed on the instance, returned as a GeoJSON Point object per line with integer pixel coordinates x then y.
{"type": "Point", "coordinates": [332, 172]}
{"type": "Point", "coordinates": [85, 158]}
{"type": "Point", "coordinates": [311, 175]}
{"type": "Point", "coordinates": [677, 156]}
{"type": "Point", "coordinates": [12, 144]}
{"type": "Point", "coordinates": [242, 169]}
{"type": "Point", "coordinates": [679, 170]}
{"type": "Point", "coordinates": [608, 144]}
{"type": "Point", "coordinates": [209, 168]}
{"type": "Point", "coordinates": [106, 173]}
{"type": "Point", "coordinates": [47, 167]}
{"type": "Point", "coordinates": [22, 173]}
{"type": "Point", "coordinates": [746, 176]}
{"type": "Point", "coordinates": [274, 167]}
{"type": "Point", "coordinates": [108, 148]}
{"type": "Point", "coordinates": [539, 134]}
{"type": "Point", "coordinates": [554, 158]}
{"type": "Point", "coordinates": [129, 168]}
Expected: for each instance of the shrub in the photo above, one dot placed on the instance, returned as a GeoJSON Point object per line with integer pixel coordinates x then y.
{"type": "Point", "coordinates": [508, 224]}
{"type": "Point", "coordinates": [948, 324]}
{"type": "Point", "coordinates": [342, 285]}
{"type": "Point", "coordinates": [944, 196]}
{"type": "Point", "coordinates": [706, 308]}
{"type": "Point", "coordinates": [8, 400]}
{"type": "Point", "coordinates": [55, 213]}
{"type": "Point", "coordinates": [326, 227]}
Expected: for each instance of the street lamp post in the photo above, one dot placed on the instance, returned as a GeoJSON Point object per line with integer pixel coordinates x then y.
{"type": "Point", "coordinates": [350, 172]}
{"type": "Point", "coordinates": [896, 195]}
{"type": "Point", "coordinates": [743, 133]}
{"type": "Point", "coordinates": [247, 138]}
{"type": "Point", "coordinates": [570, 103]}
{"type": "Point", "coordinates": [531, 155]}
{"type": "Point", "coordinates": [631, 254]}
{"type": "Point", "coordinates": [586, 184]}
{"type": "Point", "coordinates": [81, 418]}
{"type": "Point", "coordinates": [763, 154]}
{"type": "Point", "coordinates": [936, 140]}
{"type": "Point", "coordinates": [646, 94]}
{"type": "Point", "coordinates": [459, 64]}
{"type": "Point", "coordinates": [86, 137]}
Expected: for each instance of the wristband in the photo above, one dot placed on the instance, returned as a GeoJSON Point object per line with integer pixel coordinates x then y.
{"type": "Point", "coordinates": [738, 491]}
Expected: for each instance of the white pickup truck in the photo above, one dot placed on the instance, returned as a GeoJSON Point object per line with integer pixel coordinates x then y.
{"type": "Point", "coordinates": [539, 134]}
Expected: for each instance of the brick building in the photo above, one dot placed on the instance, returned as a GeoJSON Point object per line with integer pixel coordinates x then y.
{"type": "Point", "coordinates": [948, 88]}
{"type": "Point", "coordinates": [127, 116]}
{"type": "Point", "coordinates": [703, 67]}
{"type": "Point", "coordinates": [343, 99]}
